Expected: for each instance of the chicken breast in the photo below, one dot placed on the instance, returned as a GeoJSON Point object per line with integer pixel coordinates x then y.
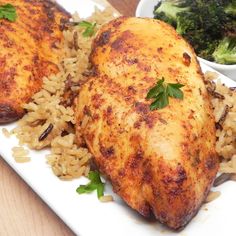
{"type": "Point", "coordinates": [30, 48]}
{"type": "Point", "coordinates": [161, 162]}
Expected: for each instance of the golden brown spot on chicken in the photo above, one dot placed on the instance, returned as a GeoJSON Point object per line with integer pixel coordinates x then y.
{"type": "Point", "coordinates": [136, 159]}
{"type": "Point", "coordinates": [107, 152]}
{"type": "Point", "coordinates": [145, 210]}
{"type": "Point", "coordinates": [186, 59]}
{"type": "Point", "coordinates": [104, 38]}
{"type": "Point", "coordinates": [142, 108]}
{"type": "Point", "coordinates": [7, 113]}
{"type": "Point", "coordinates": [211, 162]}
{"type": "Point", "coordinates": [131, 90]}
{"type": "Point", "coordinates": [131, 61]}
{"type": "Point", "coordinates": [97, 100]}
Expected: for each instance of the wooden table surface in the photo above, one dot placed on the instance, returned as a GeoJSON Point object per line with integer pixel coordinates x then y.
{"type": "Point", "coordinates": [22, 211]}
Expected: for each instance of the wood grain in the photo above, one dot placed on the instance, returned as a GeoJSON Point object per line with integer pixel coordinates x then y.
{"type": "Point", "coordinates": [22, 212]}
{"type": "Point", "coordinates": [125, 7]}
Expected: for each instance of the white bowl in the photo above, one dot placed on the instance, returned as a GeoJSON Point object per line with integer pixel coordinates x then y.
{"type": "Point", "coordinates": [145, 9]}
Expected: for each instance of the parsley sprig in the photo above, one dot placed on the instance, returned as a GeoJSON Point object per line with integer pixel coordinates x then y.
{"type": "Point", "coordinates": [94, 184]}
{"type": "Point", "coordinates": [8, 12]}
{"type": "Point", "coordinates": [161, 93]}
{"type": "Point", "coordinates": [89, 28]}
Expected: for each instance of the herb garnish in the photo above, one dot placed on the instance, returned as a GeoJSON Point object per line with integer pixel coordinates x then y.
{"type": "Point", "coordinates": [94, 184]}
{"type": "Point", "coordinates": [89, 28]}
{"type": "Point", "coordinates": [8, 12]}
{"type": "Point", "coordinates": [161, 93]}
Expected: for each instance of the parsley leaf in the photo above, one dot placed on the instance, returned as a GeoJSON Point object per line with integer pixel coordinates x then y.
{"type": "Point", "coordinates": [155, 91]}
{"type": "Point", "coordinates": [89, 28]}
{"type": "Point", "coordinates": [174, 91]}
{"type": "Point", "coordinates": [8, 12]}
{"type": "Point", "coordinates": [94, 184]}
{"type": "Point", "coordinates": [161, 93]}
{"type": "Point", "coordinates": [160, 101]}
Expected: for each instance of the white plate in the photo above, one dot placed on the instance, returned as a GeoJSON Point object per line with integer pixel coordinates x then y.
{"type": "Point", "coordinates": [145, 9]}
{"type": "Point", "coordinates": [86, 216]}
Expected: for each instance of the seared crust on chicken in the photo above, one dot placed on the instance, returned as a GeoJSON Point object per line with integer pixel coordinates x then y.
{"type": "Point", "coordinates": [30, 48]}
{"type": "Point", "coordinates": [160, 162]}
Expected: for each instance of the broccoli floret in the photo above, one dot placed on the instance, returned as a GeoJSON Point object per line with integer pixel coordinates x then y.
{"type": "Point", "coordinates": [203, 23]}
{"type": "Point", "coordinates": [168, 11]}
{"type": "Point", "coordinates": [225, 53]}
{"type": "Point", "coordinates": [230, 28]}
{"type": "Point", "coordinates": [186, 22]}
{"type": "Point", "coordinates": [230, 8]}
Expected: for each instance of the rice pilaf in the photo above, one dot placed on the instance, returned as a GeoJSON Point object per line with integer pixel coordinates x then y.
{"type": "Point", "coordinates": [223, 100]}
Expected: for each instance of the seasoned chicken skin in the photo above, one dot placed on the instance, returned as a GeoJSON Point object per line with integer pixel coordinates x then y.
{"type": "Point", "coordinates": [160, 162]}
{"type": "Point", "coordinates": [29, 50]}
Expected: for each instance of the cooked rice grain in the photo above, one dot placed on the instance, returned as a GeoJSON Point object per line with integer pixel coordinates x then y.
{"type": "Point", "coordinates": [20, 154]}
{"type": "Point", "coordinates": [212, 196]}
{"type": "Point", "coordinates": [107, 198]}
{"type": "Point", "coordinates": [6, 133]}
{"type": "Point", "coordinates": [67, 160]}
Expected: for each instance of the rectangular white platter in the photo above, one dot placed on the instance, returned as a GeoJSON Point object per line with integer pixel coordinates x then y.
{"type": "Point", "coordinates": [86, 216]}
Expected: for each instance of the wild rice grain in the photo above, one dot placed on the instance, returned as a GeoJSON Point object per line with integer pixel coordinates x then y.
{"type": "Point", "coordinates": [46, 133]}
{"type": "Point", "coordinates": [223, 116]}
{"type": "Point", "coordinates": [222, 179]}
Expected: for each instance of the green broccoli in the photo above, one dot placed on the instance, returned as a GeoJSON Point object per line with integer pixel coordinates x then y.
{"type": "Point", "coordinates": [203, 23]}
{"type": "Point", "coordinates": [168, 11]}
{"type": "Point", "coordinates": [225, 53]}
{"type": "Point", "coordinates": [230, 8]}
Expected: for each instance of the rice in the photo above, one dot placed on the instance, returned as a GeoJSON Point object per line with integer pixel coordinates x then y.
{"type": "Point", "coordinates": [6, 133]}
{"type": "Point", "coordinates": [224, 104]}
{"type": "Point", "coordinates": [107, 198]}
{"type": "Point", "coordinates": [49, 121]}
{"type": "Point", "coordinates": [20, 154]}
{"type": "Point", "coordinates": [67, 160]}
{"type": "Point", "coordinates": [212, 196]}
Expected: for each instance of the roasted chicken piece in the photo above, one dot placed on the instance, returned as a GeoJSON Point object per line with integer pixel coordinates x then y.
{"type": "Point", "coordinates": [30, 48]}
{"type": "Point", "coordinates": [161, 162]}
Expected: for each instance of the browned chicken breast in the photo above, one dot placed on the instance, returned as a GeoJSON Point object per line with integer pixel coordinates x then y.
{"type": "Point", "coordinates": [160, 162]}
{"type": "Point", "coordinates": [29, 50]}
